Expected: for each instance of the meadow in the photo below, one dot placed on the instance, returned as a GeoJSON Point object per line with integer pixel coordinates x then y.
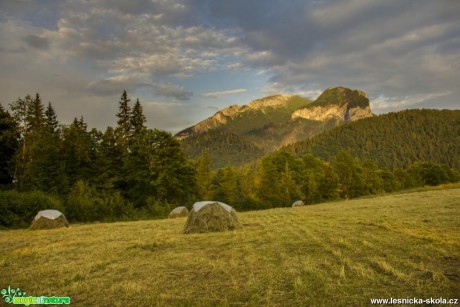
{"type": "Point", "coordinates": [334, 254]}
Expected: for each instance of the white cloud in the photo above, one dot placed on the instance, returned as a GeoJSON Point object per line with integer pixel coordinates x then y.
{"type": "Point", "coordinates": [224, 93]}
{"type": "Point", "coordinates": [383, 103]}
{"type": "Point", "coordinates": [79, 52]}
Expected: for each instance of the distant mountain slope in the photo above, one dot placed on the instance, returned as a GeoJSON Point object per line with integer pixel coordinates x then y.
{"type": "Point", "coordinates": [242, 119]}
{"type": "Point", "coordinates": [224, 148]}
{"type": "Point", "coordinates": [269, 123]}
{"type": "Point", "coordinates": [394, 140]}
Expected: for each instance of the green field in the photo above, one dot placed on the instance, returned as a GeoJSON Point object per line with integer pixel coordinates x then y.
{"type": "Point", "coordinates": [334, 254]}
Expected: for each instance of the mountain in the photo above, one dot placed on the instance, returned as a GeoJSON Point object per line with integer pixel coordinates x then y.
{"type": "Point", "coordinates": [393, 140]}
{"type": "Point", "coordinates": [340, 103]}
{"type": "Point", "coordinates": [239, 134]}
{"type": "Point", "coordinates": [246, 118]}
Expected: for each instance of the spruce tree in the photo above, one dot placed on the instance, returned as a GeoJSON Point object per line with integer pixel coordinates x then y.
{"type": "Point", "coordinates": [123, 123]}
{"type": "Point", "coordinates": [35, 114]}
{"type": "Point", "coordinates": [51, 118]}
{"type": "Point", "coordinates": [137, 119]}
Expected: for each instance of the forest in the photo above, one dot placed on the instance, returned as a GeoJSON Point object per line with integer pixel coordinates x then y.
{"type": "Point", "coordinates": [394, 140]}
{"type": "Point", "coordinates": [131, 172]}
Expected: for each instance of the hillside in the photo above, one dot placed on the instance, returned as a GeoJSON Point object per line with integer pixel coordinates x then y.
{"type": "Point", "coordinates": [342, 254]}
{"type": "Point", "coordinates": [269, 123]}
{"type": "Point", "coordinates": [393, 140]}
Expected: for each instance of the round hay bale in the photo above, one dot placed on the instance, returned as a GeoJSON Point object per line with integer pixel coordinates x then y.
{"type": "Point", "coordinates": [178, 212]}
{"type": "Point", "coordinates": [298, 203]}
{"type": "Point", "coordinates": [49, 219]}
{"type": "Point", "coordinates": [211, 216]}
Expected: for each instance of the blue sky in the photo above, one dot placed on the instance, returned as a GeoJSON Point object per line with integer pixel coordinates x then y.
{"type": "Point", "coordinates": [186, 59]}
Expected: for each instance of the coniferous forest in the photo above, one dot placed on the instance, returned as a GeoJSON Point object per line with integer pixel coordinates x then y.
{"type": "Point", "coordinates": [130, 172]}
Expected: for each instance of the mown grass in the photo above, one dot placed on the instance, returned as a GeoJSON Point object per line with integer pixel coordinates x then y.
{"type": "Point", "coordinates": [334, 254]}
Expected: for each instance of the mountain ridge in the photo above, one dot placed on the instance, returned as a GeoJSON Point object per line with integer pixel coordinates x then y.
{"type": "Point", "coordinates": [268, 123]}
{"type": "Point", "coordinates": [223, 116]}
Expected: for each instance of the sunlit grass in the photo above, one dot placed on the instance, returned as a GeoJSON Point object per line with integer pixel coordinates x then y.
{"type": "Point", "coordinates": [340, 254]}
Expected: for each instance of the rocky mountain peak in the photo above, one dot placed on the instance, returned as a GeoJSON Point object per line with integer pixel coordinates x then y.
{"type": "Point", "coordinates": [340, 103]}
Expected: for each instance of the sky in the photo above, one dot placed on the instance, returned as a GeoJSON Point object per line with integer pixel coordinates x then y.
{"type": "Point", "coordinates": [185, 60]}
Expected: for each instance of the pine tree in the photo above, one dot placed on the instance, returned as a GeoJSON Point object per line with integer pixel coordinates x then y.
{"type": "Point", "coordinates": [137, 119]}
{"type": "Point", "coordinates": [35, 114]}
{"type": "Point", "coordinates": [51, 118]}
{"type": "Point", "coordinates": [109, 160]}
{"type": "Point", "coordinates": [123, 123]}
{"type": "Point", "coordinates": [77, 155]}
{"type": "Point", "coordinates": [46, 163]}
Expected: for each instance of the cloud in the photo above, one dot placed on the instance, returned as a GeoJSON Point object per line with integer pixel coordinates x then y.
{"type": "Point", "coordinates": [82, 51]}
{"type": "Point", "coordinates": [37, 42]}
{"type": "Point", "coordinates": [224, 93]}
{"type": "Point", "coordinates": [116, 84]}
{"type": "Point", "coordinates": [383, 103]}
{"type": "Point", "coordinates": [171, 90]}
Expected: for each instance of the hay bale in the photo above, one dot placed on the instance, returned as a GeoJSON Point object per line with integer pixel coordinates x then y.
{"type": "Point", "coordinates": [298, 203]}
{"type": "Point", "coordinates": [211, 216]}
{"type": "Point", "coordinates": [178, 212]}
{"type": "Point", "coordinates": [49, 219]}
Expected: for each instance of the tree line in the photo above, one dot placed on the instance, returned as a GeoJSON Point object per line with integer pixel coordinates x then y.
{"type": "Point", "coordinates": [132, 172]}
{"type": "Point", "coordinates": [280, 178]}
{"type": "Point", "coordinates": [127, 171]}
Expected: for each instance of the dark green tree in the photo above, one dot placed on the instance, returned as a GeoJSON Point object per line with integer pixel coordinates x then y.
{"type": "Point", "coordinates": [138, 119]}
{"type": "Point", "coordinates": [289, 189]}
{"type": "Point", "coordinates": [136, 172]}
{"type": "Point", "coordinates": [29, 115]}
{"type": "Point", "coordinates": [430, 173]}
{"type": "Point", "coordinates": [123, 129]}
{"type": "Point", "coordinates": [225, 187]}
{"type": "Point", "coordinates": [9, 136]}
{"type": "Point", "coordinates": [77, 155]}
{"type": "Point", "coordinates": [313, 175]}
{"type": "Point", "coordinates": [268, 185]}
{"type": "Point", "coordinates": [329, 183]}
{"type": "Point", "coordinates": [35, 115]}
{"type": "Point", "coordinates": [350, 175]}
{"type": "Point", "coordinates": [51, 119]}
{"type": "Point", "coordinates": [372, 177]}
{"type": "Point", "coordinates": [172, 174]}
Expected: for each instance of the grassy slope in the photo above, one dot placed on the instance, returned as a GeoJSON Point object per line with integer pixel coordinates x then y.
{"type": "Point", "coordinates": [255, 119]}
{"type": "Point", "coordinates": [340, 254]}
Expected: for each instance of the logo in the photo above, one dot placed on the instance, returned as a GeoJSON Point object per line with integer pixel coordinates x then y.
{"type": "Point", "coordinates": [18, 297]}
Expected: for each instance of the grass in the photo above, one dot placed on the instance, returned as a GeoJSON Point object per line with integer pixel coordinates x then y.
{"type": "Point", "coordinates": [340, 254]}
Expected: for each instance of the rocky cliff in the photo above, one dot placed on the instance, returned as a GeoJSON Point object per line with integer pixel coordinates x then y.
{"type": "Point", "coordinates": [337, 103]}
